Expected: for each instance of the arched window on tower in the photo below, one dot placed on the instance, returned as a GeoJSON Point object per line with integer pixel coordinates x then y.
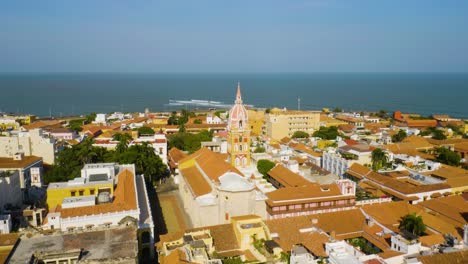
{"type": "Point", "coordinates": [240, 147]}
{"type": "Point", "coordinates": [240, 123]}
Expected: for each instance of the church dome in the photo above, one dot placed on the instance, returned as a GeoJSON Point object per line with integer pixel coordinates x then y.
{"type": "Point", "coordinates": [238, 117]}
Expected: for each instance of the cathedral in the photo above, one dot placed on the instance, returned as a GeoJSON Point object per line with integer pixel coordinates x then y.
{"type": "Point", "coordinates": [238, 133]}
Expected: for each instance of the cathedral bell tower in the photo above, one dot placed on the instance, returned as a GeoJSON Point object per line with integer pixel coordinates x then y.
{"type": "Point", "coordinates": [238, 133]}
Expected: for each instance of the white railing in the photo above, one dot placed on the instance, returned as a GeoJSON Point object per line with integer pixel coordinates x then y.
{"type": "Point", "coordinates": [374, 201]}
{"type": "Point", "coordinates": [100, 216]}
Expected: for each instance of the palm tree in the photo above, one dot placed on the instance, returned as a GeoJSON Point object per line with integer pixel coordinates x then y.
{"type": "Point", "coordinates": [123, 139]}
{"type": "Point", "coordinates": [413, 223]}
{"type": "Point", "coordinates": [379, 159]}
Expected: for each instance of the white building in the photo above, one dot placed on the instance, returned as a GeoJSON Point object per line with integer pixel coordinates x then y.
{"type": "Point", "coordinates": [213, 191]}
{"type": "Point", "coordinates": [338, 162]}
{"type": "Point", "coordinates": [5, 224]}
{"type": "Point", "coordinates": [130, 204]}
{"type": "Point", "coordinates": [213, 119]}
{"type": "Point", "coordinates": [31, 143]}
{"type": "Point", "coordinates": [16, 177]}
{"type": "Point", "coordinates": [157, 141]}
{"type": "Point", "coordinates": [100, 119]}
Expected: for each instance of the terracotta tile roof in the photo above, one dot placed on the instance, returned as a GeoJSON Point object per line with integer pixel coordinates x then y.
{"type": "Point", "coordinates": [8, 239]}
{"type": "Point", "coordinates": [196, 181]}
{"type": "Point", "coordinates": [287, 178]}
{"type": "Point", "coordinates": [224, 237]}
{"type": "Point", "coordinates": [175, 257]}
{"type": "Point", "coordinates": [213, 164]}
{"type": "Point", "coordinates": [124, 199]}
{"type": "Point", "coordinates": [389, 215]}
{"type": "Point", "coordinates": [285, 140]}
{"type": "Point", "coordinates": [303, 148]}
{"type": "Point", "coordinates": [390, 254]}
{"type": "Point", "coordinates": [288, 229]}
{"type": "Point", "coordinates": [42, 124]}
{"type": "Point", "coordinates": [304, 194]}
{"type": "Point", "coordinates": [359, 169]}
{"type": "Point", "coordinates": [403, 187]}
{"type": "Point", "coordinates": [421, 123]}
{"type": "Point", "coordinates": [10, 163]}
{"type": "Point", "coordinates": [459, 257]}
{"type": "Point", "coordinates": [462, 146]}
{"type": "Point", "coordinates": [456, 177]}
{"type": "Point", "coordinates": [432, 240]}
{"type": "Point", "coordinates": [451, 208]}
{"type": "Point", "coordinates": [176, 154]}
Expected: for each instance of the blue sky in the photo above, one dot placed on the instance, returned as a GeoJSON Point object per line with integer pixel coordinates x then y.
{"type": "Point", "coordinates": [234, 36]}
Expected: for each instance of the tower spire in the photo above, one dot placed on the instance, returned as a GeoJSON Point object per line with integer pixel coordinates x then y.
{"type": "Point", "coordinates": [238, 96]}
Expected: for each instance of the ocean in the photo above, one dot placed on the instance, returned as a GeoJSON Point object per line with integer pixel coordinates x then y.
{"type": "Point", "coordinates": [80, 93]}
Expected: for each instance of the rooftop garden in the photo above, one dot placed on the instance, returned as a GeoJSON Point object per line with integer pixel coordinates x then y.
{"type": "Point", "coordinates": [364, 245]}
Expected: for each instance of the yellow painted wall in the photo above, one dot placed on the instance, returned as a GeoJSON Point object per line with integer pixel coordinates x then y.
{"type": "Point", "coordinates": [55, 196]}
{"type": "Point", "coordinates": [324, 143]}
{"type": "Point", "coordinates": [256, 121]}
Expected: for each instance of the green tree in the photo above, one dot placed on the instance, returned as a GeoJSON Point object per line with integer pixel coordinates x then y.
{"type": "Point", "coordinates": [412, 223]}
{"type": "Point", "coordinates": [259, 149]}
{"type": "Point", "coordinates": [382, 114]}
{"type": "Point", "coordinates": [337, 110]}
{"type": "Point", "coordinates": [448, 157]}
{"type": "Point", "coordinates": [379, 159]}
{"type": "Point", "coordinates": [300, 134]}
{"type": "Point", "coordinates": [197, 121]}
{"type": "Point", "coordinates": [90, 118]}
{"type": "Point", "coordinates": [188, 141]}
{"type": "Point", "coordinates": [145, 131]}
{"type": "Point", "coordinates": [328, 133]}
{"type": "Point", "coordinates": [173, 119]}
{"type": "Point", "coordinates": [438, 134]}
{"type": "Point", "coordinates": [264, 166]}
{"type": "Point", "coordinates": [123, 139]}
{"type": "Point", "coordinates": [398, 137]}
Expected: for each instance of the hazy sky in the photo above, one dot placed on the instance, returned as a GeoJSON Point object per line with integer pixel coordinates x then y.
{"type": "Point", "coordinates": [234, 36]}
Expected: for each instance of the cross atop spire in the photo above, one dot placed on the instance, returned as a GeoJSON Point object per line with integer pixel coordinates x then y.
{"type": "Point", "coordinates": [238, 96]}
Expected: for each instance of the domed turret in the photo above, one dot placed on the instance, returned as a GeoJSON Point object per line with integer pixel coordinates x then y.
{"type": "Point", "coordinates": [238, 117]}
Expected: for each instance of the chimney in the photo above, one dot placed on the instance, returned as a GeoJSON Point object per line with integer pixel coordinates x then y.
{"type": "Point", "coordinates": [332, 235]}
{"type": "Point", "coordinates": [314, 221]}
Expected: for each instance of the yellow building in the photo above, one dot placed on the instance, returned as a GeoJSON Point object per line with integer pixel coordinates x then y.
{"type": "Point", "coordinates": [327, 121]}
{"type": "Point", "coordinates": [58, 191]}
{"type": "Point", "coordinates": [256, 121]}
{"type": "Point", "coordinates": [238, 133]}
{"type": "Point", "coordinates": [280, 123]}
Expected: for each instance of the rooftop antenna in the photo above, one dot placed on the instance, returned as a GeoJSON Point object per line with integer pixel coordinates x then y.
{"type": "Point", "coordinates": [298, 103]}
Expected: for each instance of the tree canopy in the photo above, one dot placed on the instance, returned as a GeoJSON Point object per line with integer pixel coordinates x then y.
{"type": "Point", "coordinates": [188, 141]}
{"type": "Point", "coordinates": [300, 134]}
{"type": "Point", "coordinates": [264, 166]}
{"type": "Point", "coordinates": [70, 161]}
{"type": "Point", "coordinates": [448, 157]}
{"type": "Point", "coordinates": [379, 159]}
{"type": "Point", "coordinates": [398, 137]}
{"type": "Point", "coordinates": [328, 133]}
{"type": "Point", "coordinates": [145, 131]}
{"type": "Point", "coordinates": [412, 223]}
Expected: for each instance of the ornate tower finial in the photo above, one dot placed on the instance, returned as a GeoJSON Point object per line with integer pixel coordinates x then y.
{"type": "Point", "coordinates": [238, 96]}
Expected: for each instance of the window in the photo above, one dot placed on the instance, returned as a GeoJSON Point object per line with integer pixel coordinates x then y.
{"type": "Point", "coordinates": [91, 191]}
{"type": "Point", "coordinates": [81, 192]}
{"type": "Point", "coordinates": [161, 151]}
{"type": "Point", "coordinates": [73, 193]}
